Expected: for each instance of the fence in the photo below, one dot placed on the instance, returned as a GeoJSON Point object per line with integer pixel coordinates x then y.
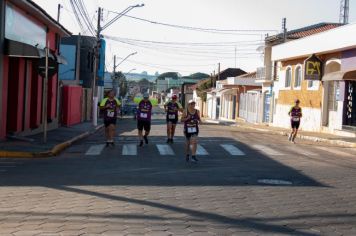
{"type": "Point", "coordinates": [250, 107]}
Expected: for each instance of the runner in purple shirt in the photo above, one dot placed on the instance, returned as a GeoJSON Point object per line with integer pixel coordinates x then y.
{"type": "Point", "coordinates": [144, 112]}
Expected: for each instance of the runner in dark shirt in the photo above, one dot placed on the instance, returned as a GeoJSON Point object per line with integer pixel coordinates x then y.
{"type": "Point", "coordinates": [144, 112]}
{"type": "Point", "coordinates": [110, 106]}
{"type": "Point", "coordinates": [295, 114]}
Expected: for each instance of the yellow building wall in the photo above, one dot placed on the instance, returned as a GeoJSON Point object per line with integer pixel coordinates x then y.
{"type": "Point", "coordinates": [308, 98]}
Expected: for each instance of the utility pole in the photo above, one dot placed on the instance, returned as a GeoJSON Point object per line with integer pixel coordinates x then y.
{"type": "Point", "coordinates": [218, 72]}
{"type": "Point", "coordinates": [96, 55]}
{"type": "Point", "coordinates": [344, 12]}
{"type": "Point", "coordinates": [284, 28]}
{"type": "Point", "coordinates": [44, 100]}
{"type": "Point", "coordinates": [59, 12]}
{"type": "Point", "coordinates": [96, 60]}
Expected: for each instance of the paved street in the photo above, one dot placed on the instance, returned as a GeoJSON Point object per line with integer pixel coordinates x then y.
{"type": "Point", "coordinates": [246, 183]}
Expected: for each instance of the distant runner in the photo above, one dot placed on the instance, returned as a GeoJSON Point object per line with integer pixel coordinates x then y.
{"type": "Point", "coordinates": [295, 114]}
{"type": "Point", "coordinates": [110, 107]}
{"type": "Point", "coordinates": [172, 107]}
{"type": "Point", "coordinates": [144, 112]}
{"type": "Point", "coordinates": [191, 119]}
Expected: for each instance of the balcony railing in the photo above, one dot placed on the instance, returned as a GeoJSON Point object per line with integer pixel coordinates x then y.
{"type": "Point", "coordinates": [264, 73]}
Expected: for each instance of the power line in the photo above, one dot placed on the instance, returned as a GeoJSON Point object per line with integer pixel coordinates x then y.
{"type": "Point", "coordinates": [206, 30]}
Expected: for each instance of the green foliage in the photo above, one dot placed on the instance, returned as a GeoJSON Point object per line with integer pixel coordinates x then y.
{"type": "Point", "coordinates": [173, 75]}
{"type": "Point", "coordinates": [121, 78]}
{"type": "Point", "coordinates": [202, 87]}
{"type": "Point", "coordinates": [199, 76]}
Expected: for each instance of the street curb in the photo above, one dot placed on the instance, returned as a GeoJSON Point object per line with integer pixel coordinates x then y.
{"type": "Point", "coordinates": [306, 137]}
{"type": "Point", "coordinates": [56, 150]}
{"type": "Point", "coordinates": [286, 133]}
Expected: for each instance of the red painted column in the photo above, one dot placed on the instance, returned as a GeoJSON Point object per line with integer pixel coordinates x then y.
{"type": "Point", "coordinates": [15, 102]}
{"type": "Point", "coordinates": [4, 97]}
{"type": "Point", "coordinates": [52, 97]}
{"type": "Point", "coordinates": [36, 97]}
{"type": "Point", "coordinates": [28, 99]}
{"type": "Point", "coordinates": [21, 95]}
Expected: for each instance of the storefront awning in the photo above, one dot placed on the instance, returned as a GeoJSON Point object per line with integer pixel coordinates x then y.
{"type": "Point", "coordinates": [340, 75]}
{"type": "Point", "coordinates": [18, 49]}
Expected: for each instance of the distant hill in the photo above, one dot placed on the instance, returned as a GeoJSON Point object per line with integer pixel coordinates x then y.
{"type": "Point", "coordinates": [139, 76]}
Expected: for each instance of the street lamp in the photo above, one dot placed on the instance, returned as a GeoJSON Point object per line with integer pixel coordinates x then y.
{"type": "Point", "coordinates": [130, 70]}
{"type": "Point", "coordinates": [117, 89]}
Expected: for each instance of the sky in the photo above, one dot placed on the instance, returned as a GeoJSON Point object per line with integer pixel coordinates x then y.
{"type": "Point", "coordinates": [191, 36]}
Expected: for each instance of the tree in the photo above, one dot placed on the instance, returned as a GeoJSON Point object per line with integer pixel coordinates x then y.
{"type": "Point", "coordinates": [199, 76]}
{"type": "Point", "coordinates": [120, 80]}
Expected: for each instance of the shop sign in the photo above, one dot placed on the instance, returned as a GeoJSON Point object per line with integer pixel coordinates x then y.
{"type": "Point", "coordinates": [312, 68]}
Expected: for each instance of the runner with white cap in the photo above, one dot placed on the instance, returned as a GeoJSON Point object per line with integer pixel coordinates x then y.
{"type": "Point", "coordinates": [191, 119]}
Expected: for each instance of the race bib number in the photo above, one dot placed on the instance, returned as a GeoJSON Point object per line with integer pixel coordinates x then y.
{"type": "Point", "coordinates": [143, 115]}
{"type": "Point", "coordinates": [110, 114]}
{"type": "Point", "coordinates": [192, 130]}
{"type": "Point", "coordinates": [295, 119]}
{"type": "Point", "coordinates": [171, 116]}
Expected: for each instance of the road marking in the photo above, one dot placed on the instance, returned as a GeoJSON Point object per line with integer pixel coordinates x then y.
{"type": "Point", "coordinates": [267, 150]}
{"type": "Point", "coordinates": [234, 151]}
{"type": "Point", "coordinates": [337, 152]}
{"type": "Point", "coordinates": [302, 151]}
{"type": "Point", "coordinates": [129, 150]}
{"type": "Point", "coordinates": [95, 150]}
{"type": "Point", "coordinates": [164, 149]}
{"type": "Point", "coordinates": [201, 151]}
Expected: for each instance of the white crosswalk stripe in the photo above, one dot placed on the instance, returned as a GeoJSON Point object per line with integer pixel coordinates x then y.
{"type": "Point", "coordinates": [267, 150]}
{"type": "Point", "coordinates": [334, 151]}
{"type": "Point", "coordinates": [234, 151]}
{"type": "Point", "coordinates": [164, 149]}
{"type": "Point", "coordinates": [201, 151]}
{"type": "Point", "coordinates": [129, 150]}
{"type": "Point", "coordinates": [95, 150]}
{"type": "Point", "coordinates": [302, 151]}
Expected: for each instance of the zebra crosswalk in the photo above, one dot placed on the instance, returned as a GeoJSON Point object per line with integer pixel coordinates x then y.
{"type": "Point", "coordinates": [228, 149]}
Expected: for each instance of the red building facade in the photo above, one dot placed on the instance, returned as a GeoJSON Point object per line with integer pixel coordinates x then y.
{"type": "Point", "coordinates": [25, 30]}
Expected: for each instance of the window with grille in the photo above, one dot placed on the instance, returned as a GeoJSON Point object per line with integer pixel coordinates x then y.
{"type": "Point", "coordinates": [298, 77]}
{"type": "Point", "coordinates": [288, 77]}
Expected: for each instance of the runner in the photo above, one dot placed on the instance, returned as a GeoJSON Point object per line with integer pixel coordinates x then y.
{"type": "Point", "coordinates": [295, 113]}
{"type": "Point", "coordinates": [172, 107]}
{"type": "Point", "coordinates": [144, 111]}
{"type": "Point", "coordinates": [191, 119]}
{"type": "Point", "coordinates": [110, 106]}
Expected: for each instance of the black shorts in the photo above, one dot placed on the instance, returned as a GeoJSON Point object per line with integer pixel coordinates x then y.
{"type": "Point", "coordinates": [144, 125]}
{"type": "Point", "coordinates": [109, 122]}
{"type": "Point", "coordinates": [174, 122]}
{"type": "Point", "coordinates": [190, 135]}
{"type": "Point", "coordinates": [295, 124]}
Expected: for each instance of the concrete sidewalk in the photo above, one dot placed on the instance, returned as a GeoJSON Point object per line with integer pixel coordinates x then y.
{"type": "Point", "coordinates": [57, 140]}
{"type": "Point", "coordinates": [312, 136]}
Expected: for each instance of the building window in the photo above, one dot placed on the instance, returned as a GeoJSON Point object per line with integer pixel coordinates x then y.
{"type": "Point", "coordinates": [298, 77]}
{"type": "Point", "coordinates": [313, 85]}
{"type": "Point", "coordinates": [288, 78]}
{"type": "Point", "coordinates": [333, 91]}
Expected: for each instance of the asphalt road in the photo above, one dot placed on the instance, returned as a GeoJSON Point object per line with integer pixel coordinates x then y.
{"type": "Point", "coordinates": [245, 183]}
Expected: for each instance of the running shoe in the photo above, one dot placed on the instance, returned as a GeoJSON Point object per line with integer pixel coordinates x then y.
{"type": "Point", "coordinates": [141, 143]}
{"type": "Point", "coordinates": [171, 141]}
{"type": "Point", "coordinates": [107, 144]}
{"type": "Point", "coordinates": [146, 139]}
{"type": "Point", "coordinates": [168, 140]}
{"type": "Point", "coordinates": [289, 137]}
{"type": "Point", "coordinates": [112, 144]}
{"type": "Point", "coordinates": [194, 159]}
